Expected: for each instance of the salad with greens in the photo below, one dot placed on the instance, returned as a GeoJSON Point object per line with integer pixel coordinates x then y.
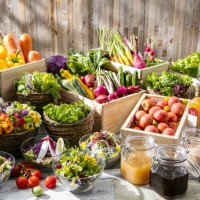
{"type": "Point", "coordinates": [168, 84]}
{"type": "Point", "coordinates": [102, 143]}
{"type": "Point", "coordinates": [67, 113]}
{"type": "Point", "coordinates": [44, 150]}
{"type": "Point", "coordinates": [189, 65]}
{"type": "Point", "coordinates": [77, 165]}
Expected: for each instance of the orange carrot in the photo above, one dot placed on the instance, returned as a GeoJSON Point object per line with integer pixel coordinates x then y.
{"type": "Point", "coordinates": [12, 44]}
{"type": "Point", "coordinates": [33, 56]}
{"type": "Point", "coordinates": [26, 45]}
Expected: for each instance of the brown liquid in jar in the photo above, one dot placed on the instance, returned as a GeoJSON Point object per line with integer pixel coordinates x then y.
{"type": "Point", "coordinates": [169, 182]}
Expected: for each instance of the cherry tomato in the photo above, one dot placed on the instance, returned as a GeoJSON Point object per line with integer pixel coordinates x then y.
{"type": "Point", "coordinates": [37, 173]}
{"type": "Point", "coordinates": [33, 181]}
{"type": "Point", "coordinates": [50, 182]}
{"type": "Point", "coordinates": [21, 182]}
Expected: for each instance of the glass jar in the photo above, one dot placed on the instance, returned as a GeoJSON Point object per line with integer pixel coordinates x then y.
{"type": "Point", "coordinates": [136, 158]}
{"type": "Point", "coordinates": [191, 142]}
{"type": "Point", "coordinates": [169, 174]}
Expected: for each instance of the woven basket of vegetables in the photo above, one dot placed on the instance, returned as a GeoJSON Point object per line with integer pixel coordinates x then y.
{"type": "Point", "coordinates": [39, 89]}
{"type": "Point", "coordinates": [170, 84]}
{"type": "Point", "coordinates": [69, 121]}
{"type": "Point", "coordinates": [18, 122]}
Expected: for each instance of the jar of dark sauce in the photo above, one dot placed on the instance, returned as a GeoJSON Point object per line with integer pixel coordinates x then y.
{"type": "Point", "coordinates": [169, 175]}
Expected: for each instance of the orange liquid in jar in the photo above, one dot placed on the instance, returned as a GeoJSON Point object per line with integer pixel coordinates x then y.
{"type": "Point", "coordinates": [136, 169]}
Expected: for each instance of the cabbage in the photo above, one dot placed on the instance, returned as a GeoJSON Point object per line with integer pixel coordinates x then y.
{"type": "Point", "coordinates": [56, 63]}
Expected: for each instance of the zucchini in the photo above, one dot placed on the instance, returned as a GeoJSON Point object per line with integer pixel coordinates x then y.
{"type": "Point", "coordinates": [121, 76]}
{"type": "Point", "coordinates": [135, 78]}
{"type": "Point", "coordinates": [76, 84]}
{"type": "Point", "coordinates": [128, 80]}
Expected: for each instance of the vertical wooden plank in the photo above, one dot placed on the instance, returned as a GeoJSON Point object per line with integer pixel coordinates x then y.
{"type": "Point", "coordinates": [121, 16]}
{"type": "Point", "coordinates": [1, 16]}
{"type": "Point", "coordinates": [79, 38]}
{"type": "Point", "coordinates": [90, 25]}
{"type": "Point", "coordinates": [85, 26]}
{"type": "Point", "coordinates": [54, 25]}
{"type": "Point", "coordinates": [146, 17]}
{"type": "Point", "coordinates": [116, 21]}
{"type": "Point", "coordinates": [126, 18]}
{"type": "Point", "coordinates": [95, 23]}
{"type": "Point", "coordinates": [131, 18]}
{"type": "Point", "coordinates": [30, 22]}
{"type": "Point", "coordinates": [70, 38]}
{"type": "Point", "coordinates": [22, 17]}
{"type": "Point", "coordinates": [111, 8]}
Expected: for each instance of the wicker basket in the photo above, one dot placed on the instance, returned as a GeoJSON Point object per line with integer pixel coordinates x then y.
{"type": "Point", "coordinates": [36, 99]}
{"type": "Point", "coordinates": [11, 142]}
{"type": "Point", "coordinates": [188, 95]}
{"type": "Point", "coordinates": [71, 132]}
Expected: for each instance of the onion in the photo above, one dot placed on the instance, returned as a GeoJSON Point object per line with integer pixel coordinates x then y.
{"type": "Point", "coordinates": [121, 91]}
{"type": "Point", "coordinates": [112, 96]}
{"type": "Point", "coordinates": [102, 99]}
{"type": "Point", "coordinates": [100, 90]}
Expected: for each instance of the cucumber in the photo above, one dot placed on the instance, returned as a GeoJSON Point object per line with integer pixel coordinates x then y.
{"type": "Point", "coordinates": [128, 80]}
{"type": "Point", "coordinates": [135, 78]}
{"type": "Point", "coordinates": [69, 86]}
{"type": "Point", "coordinates": [79, 89]}
{"type": "Point", "coordinates": [121, 76]}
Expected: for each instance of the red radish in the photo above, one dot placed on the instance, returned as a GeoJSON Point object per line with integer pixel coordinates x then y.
{"type": "Point", "coordinates": [121, 91]}
{"type": "Point", "coordinates": [83, 79]}
{"type": "Point", "coordinates": [138, 59]}
{"type": "Point", "coordinates": [147, 49]}
{"type": "Point", "coordinates": [112, 96]}
{"type": "Point", "coordinates": [90, 80]}
{"type": "Point", "coordinates": [102, 99]}
{"type": "Point", "coordinates": [152, 52]}
{"type": "Point", "coordinates": [133, 89]}
{"type": "Point", "coordinates": [100, 90]}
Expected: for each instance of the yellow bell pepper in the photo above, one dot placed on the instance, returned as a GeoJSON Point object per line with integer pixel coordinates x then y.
{"type": "Point", "coordinates": [3, 64]}
{"type": "Point", "coordinates": [14, 60]}
{"type": "Point", "coordinates": [3, 52]}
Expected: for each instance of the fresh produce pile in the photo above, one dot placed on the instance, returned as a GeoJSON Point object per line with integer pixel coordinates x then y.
{"type": "Point", "coordinates": [67, 113]}
{"type": "Point", "coordinates": [125, 51]}
{"type": "Point", "coordinates": [38, 82]}
{"type": "Point", "coordinates": [17, 117]}
{"type": "Point", "coordinates": [168, 84]}
{"type": "Point", "coordinates": [189, 65]}
{"type": "Point", "coordinates": [161, 116]}
{"type": "Point", "coordinates": [14, 52]}
{"type": "Point", "coordinates": [76, 164]}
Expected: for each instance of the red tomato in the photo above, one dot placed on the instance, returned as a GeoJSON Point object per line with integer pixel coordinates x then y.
{"type": "Point", "coordinates": [37, 173]}
{"type": "Point", "coordinates": [21, 182]}
{"type": "Point", "coordinates": [33, 181]}
{"type": "Point", "coordinates": [50, 182]}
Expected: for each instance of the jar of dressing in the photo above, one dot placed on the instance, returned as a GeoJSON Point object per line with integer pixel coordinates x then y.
{"type": "Point", "coordinates": [136, 158]}
{"type": "Point", "coordinates": [169, 174]}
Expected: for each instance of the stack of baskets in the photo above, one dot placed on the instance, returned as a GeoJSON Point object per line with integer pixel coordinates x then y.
{"type": "Point", "coordinates": [71, 132]}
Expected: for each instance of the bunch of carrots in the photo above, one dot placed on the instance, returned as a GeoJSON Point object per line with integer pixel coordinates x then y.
{"type": "Point", "coordinates": [117, 49]}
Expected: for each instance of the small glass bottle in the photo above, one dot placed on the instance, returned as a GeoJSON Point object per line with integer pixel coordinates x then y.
{"type": "Point", "coordinates": [193, 119]}
{"type": "Point", "coordinates": [136, 158]}
{"type": "Point", "coordinates": [169, 174]}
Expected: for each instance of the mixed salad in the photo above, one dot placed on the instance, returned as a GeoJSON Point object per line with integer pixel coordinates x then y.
{"type": "Point", "coordinates": [102, 143]}
{"type": "Point", "coordinates": [5, 166]}
{"type": "Point", "coordinates": [44, 151]}
{"type": "Point", "coordinates": [76, 164]}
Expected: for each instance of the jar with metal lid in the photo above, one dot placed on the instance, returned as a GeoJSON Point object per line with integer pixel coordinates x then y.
{"type": "Point", "coordinates": [136, 158]}
{"type": "Point", "coordinates": [191, 142]}
{"type": "Point", "coordinates": [169, 171]}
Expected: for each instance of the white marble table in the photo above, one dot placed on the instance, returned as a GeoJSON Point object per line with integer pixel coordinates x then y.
{"type": "Point", "coordinates": [111, 186]}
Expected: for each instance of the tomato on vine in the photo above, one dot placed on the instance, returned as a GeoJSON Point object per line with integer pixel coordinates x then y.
{"type": "Point", "coordinates": [22, 182]}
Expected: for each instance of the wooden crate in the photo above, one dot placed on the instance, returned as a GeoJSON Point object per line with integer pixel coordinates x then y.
{"type": "Point", "coordinates": [142, 73]}
{"type": "Point", "coordinates": [8, 76]}
{"type": "Point", "coordinates": [126, 130]}
{"type": "Point", "coordinates": [108, 116]}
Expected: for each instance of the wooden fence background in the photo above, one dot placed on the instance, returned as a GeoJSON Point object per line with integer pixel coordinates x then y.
{"type": "Point", "coordinates": [57, 25]}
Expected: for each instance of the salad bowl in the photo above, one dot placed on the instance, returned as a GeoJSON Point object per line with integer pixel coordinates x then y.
{"type": "Point", "coordinates": [42, 151]}
{"type": "Point", "coordinates": [104, 144]}
{"type": "Point", "coordinates": [7, 162]}
{"type": "Point", "coordinates": [78, 171]}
